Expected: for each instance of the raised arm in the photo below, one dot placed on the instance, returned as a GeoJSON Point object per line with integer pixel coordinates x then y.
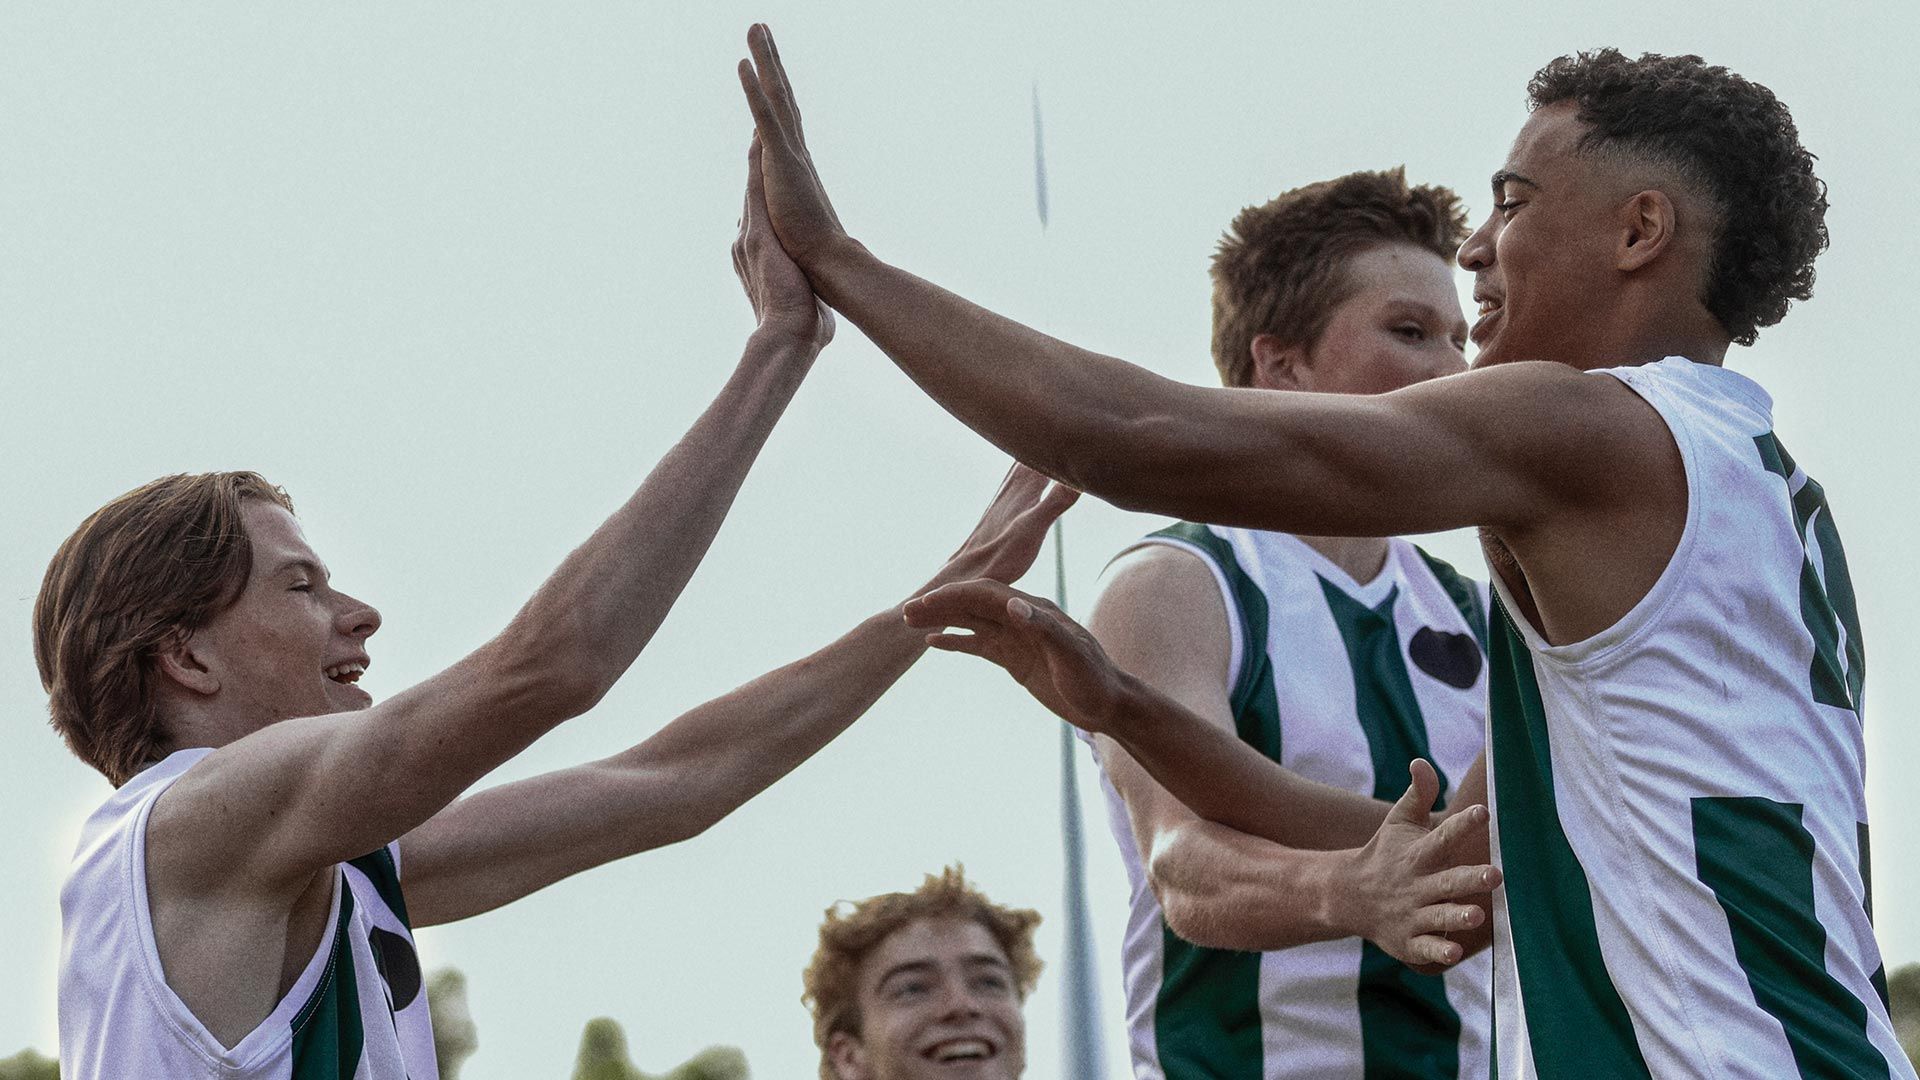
{"type": "Point", "coordinates": [300, 795]}
{"type": "Point", "coordinates": [1500, 448]}
{"type": "Point", "coordinates": [506, 842]}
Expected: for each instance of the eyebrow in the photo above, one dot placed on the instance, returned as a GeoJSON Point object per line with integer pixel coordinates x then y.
{"type": "Point", "coordinates": [916, 966]}
{"type": "Point", "coordinates": [312, 568]}
{"type": "Point", "coordinates": [1506, 176]}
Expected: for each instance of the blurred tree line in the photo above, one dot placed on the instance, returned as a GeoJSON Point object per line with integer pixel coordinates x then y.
{"type": "Point", "coordinates": [603, 1045]}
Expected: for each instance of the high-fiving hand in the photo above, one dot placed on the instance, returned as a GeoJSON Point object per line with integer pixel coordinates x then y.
{"type": "Point", "coordinates": [796, 202]}
{"type": "Point", "coordinates": [781, 296]}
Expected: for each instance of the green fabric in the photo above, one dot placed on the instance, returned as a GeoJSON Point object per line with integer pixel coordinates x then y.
{"type": "Point", "coordinates": [1577, 1024]}
{"type": "Point", "coordinates": [1207, 1013]}
{"type": "Point", "coordinates": [385, 875]}
{"type": "Point", "coordinates": [1407, 1028]}
{"type": "Point", "coordinates": [1827, 602]}
{"type": "Point", "coordinates": [1462, 591]}
{"type": "Point", "coordinates": [1757, 857]}
{"type": "Point", "coordinates": [327, 1037]}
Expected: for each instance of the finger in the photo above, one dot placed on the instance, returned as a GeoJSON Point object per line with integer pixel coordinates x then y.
{"type": "Point", "coordinates": [1432, 949]}
{"type": "Point", "coordinates": [1447, 918]}
{"type": "Point", "coordinates": [1456, 883]}
{"type": "Point", "coordinates": [777, 75]}
{"type": "Point", "coordinates": [764, 120]}
{"type": "Point", "coordinates": [1057, 500]}
{"type": "Point", "coordinates": [971, 644]}
{"type": "Point", "coordinates": [966, 599]}
{"type": "Point", "coordinates": [1415, 804]}
{"type": "Point", "coordinates": [756, 185]}
{"type": "Point", "coordinates": [1464, 830]}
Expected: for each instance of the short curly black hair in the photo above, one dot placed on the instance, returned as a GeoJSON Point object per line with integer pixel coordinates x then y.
{"type": "Point", "coordinates": [1733, 139]}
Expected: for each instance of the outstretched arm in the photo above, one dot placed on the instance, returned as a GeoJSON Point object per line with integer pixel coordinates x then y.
{"type": "Point", "coordinates": [260, 815]}
{"type": "Point", "coordinates": [506, 842]}
{"type": "Point", "coordinates": [1501, 448]}
{"type": "Point", "coordinates": [1397, 884]}
{"type": "Point", "coordinates": [1162, 618]}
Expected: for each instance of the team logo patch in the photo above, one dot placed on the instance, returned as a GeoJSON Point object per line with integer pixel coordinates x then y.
{"type": "Point", "coordinates": [1454, 659]}
{"type": "Point", "coordinates": [398, 965]}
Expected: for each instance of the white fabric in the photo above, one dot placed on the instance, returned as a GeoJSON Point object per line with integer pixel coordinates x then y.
{"type": "Point", "coordinates": [118, 1017]}
{"type": "Point", "coordinates": [1701, 690]}
{"type": "Point", "coordinates": [1309, 1013]}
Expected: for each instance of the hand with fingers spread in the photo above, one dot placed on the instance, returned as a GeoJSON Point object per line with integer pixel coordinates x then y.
{"type": "Point", "coordinates": [1408, 889]}
{"type": "Point", "coordinates": [796, 201]}
{"type": "Point", "coordinates": [782, 299]}
{"type": "Point", "coordinates": [1051, 655]}
{"type": "Point", "coordinates": [1008, 537]}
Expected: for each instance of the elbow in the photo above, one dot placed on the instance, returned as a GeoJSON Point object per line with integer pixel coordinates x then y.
{"type": "Point", "coordinates": [549, 683]}
{"type": "Point", "coordinates": [1195, 913]}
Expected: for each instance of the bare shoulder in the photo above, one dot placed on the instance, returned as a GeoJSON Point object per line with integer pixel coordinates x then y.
{"type": "Point", "coordinates": [1161, 616]}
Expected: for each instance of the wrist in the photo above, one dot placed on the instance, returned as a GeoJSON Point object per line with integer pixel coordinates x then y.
{"type": "Point", "coordinates": [1334, 897]}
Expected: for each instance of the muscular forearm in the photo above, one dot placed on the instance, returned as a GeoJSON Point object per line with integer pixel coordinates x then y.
{"type": "Point", "coordinates": [997, 375]}
{"type": "Point", "coordinates": [509, 841]}
{"type": "Point", "coordinates": [602, 605]}
{"type": "Point", "coordinates": [1227, 890]}
{"type": "Point", "coordinates": [1224, 780]}
{"type": "Point", "coordinates": [716, 757]}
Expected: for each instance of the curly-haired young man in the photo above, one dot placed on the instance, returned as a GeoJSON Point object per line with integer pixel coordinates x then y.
{"type": "Point", "coordinates": [923, 984]}
{"type": "Point", "coordinates": [1342, 658]}
{"type": "Point", "coordinates": [1675, 752]}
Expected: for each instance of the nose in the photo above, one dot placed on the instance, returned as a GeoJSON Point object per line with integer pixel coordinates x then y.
{"type": "Point", "coordinates": [960, 1002]}
{"type": "Point", "coordinates": [357, 618]}
{"type": "Point", "coordinates": [1477, 253]}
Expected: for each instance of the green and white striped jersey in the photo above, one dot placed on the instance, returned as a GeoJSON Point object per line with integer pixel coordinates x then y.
{"type": "Point", "coordinates": [1343, 683]}
{"type": "Point", "coordinates": [1679, 801]}
{"type": "Point", "coordinates": [357, 1012]}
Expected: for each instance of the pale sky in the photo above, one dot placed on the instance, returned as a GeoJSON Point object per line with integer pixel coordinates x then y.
{"type": "Point", "coordinates": [457, 276]}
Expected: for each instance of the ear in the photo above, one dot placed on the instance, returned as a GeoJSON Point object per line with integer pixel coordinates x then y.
{"type": "Point", "coordinates": [1647, 222]}
{"type": "Point", "coordinates": [181, 665]}
{"type": "Point", "coordinates": [848, 1056]}
{"type": "Point", "coordinates": [1277, 366]}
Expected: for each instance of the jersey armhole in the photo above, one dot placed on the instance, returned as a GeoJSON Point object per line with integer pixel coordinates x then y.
{"type": "Point", "coordinates": [1236, 632]}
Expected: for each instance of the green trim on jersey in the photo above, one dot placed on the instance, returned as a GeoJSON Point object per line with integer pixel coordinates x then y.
{"type": "Point", "coordinates": [385, 875]}
{"type": "Point", "coordinates": [1827, 601]}
{"type": "Point", "coordinates": [1407, 1027]}
{"type": "Point", "coordinates": [1462, 591]}
{"type": "Point", "coordinates": [1576, 1022]}
{"type": "Point", "coordinates": [1879, 976]}
{"type": "Point", "coordinates": [327, 1036]}
{"type": "Point", "coordinates": [1207, 1014]}
{"type": "Point", "coordinates": [1757, 857]}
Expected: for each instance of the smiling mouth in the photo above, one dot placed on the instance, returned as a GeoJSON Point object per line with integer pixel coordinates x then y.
{"type": "Point", "coordinates": [1489, 311]}
{"type": "Point", "coordinates": [346, 674]}
{"type": "Point", "coordinates": [960, 1050]}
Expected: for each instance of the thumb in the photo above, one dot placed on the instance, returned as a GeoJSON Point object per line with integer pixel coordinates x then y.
{"type": "Point", "coordinates": [1415, 804]}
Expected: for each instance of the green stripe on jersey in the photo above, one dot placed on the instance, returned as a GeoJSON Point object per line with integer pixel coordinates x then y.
{"type": "Point", "coordinates": [1757, 857]}
{"type": "Point", "coordinates": [1207, 1014]}
{"type": "Point", "coordinates": [1576, 1023]}
{"type": "Point", "coordinates": [1462, 591]}
{"type": "Point", "coordinates": [385, 875]}
{"type": "Point", "coordinates": [1827, 603]}
{"type": "Point", "coordinates": [1407, 1028]}
{"type": "Point", "coordinates": [327, 1037]}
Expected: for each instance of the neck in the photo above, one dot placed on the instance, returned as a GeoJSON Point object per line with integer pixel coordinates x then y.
{"type": "Point", "coordinates": [1655, 332]}
{"type": "Point", "coordinates": [1362, 557]}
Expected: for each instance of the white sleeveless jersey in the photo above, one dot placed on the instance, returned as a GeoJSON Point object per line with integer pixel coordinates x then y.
{"type": "Point", "coordinates": [1345, 684]}
{"type": "Point", "coordinates": [1678, 800]}
{"type": "Point", "coordinates": [357, 1012]}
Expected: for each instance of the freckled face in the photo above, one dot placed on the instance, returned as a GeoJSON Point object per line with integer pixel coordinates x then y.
{"type": "Point", "coordinates": [938, 1001]}
{"type": "Point", "coordinates": [291, 645]}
